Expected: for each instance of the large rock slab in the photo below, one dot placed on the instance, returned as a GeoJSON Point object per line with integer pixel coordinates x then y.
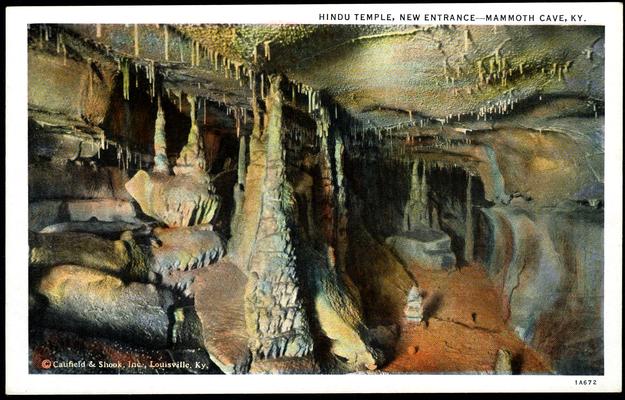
{"type": "Point", "coordinates": [108, 210]}
{"type": "Point", "coordinates": [186, 248]}
{"type": "Point", "coordinates": [424, 247]}
{"type": "Point", "coordinates": [180, 200]}
{"type": "Point", "coordinates": [94, 302]}
{"type": "Point", "coordinates": [219, 293]}
{"type": "Point", "coordinates": [122, 258]}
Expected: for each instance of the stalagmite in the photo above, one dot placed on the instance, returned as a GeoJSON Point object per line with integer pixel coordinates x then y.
{"type": "Point", "coordinates": [414, 306]}
{"type": "Point", "coordinates": [192, 158]}
{"type": "Point", "coordinates": [161, 163]}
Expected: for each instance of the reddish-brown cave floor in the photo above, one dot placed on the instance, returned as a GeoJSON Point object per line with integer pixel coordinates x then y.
{"type": "Point", "coordinates": [451, 341]}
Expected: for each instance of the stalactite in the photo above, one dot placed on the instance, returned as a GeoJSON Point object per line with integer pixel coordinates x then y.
{"type": "Point", "coordinates": [468, 239]}
{"type": "Point", "coordinates": [126, 79]}
{"type": "Point", "coordinates": [180, 48]}
{"type": "Point", "coordinates": [192, 53]}
{"type": "Point", "coordinates": [166, 42]}
{"type": "Point", "coordinates": [90, 75]}
{"type": "Point", "coordinates": [267, 50]}
{"type": "Point", "coordinates": [136, 36]}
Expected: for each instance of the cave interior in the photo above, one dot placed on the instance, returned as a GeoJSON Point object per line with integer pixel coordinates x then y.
{"type": "Point", "coordinates": [308, 199]}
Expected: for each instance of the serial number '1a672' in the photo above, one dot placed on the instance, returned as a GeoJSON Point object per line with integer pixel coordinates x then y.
{"type": "Point", "coordinates": [585, 382]}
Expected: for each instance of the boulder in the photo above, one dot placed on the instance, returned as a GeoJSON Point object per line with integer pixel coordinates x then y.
{"type": "Point", "coordinates": [285, 365]}
{"type": "Point", "coordinates": [94, 302]}
{"type": "Point", "coordinates": [424, 247]}
{"type": "Point", "coordinates": [180, 200]}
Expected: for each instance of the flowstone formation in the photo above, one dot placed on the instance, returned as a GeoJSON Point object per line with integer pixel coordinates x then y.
{"type": "Point", "coordinates": [319, 199]}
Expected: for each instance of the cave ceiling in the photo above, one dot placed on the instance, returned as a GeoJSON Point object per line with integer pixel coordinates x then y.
{"type": "Point", "coordinates": [383, 76]}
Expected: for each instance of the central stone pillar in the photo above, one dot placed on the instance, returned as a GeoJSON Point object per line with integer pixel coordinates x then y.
{"type": "Point", "coordinates": [275, 315]}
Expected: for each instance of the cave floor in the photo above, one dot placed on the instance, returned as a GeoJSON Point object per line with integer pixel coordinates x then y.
{"type": "Point", "coordinates": [464, 328]}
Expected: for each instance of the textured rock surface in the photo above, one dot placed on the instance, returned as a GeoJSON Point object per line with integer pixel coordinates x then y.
{"type": "Point", "coordinates": [427, 248]}
{"type": "Point", "coordinates": [186, 248]}
{"type": "Point", "coordinates": [220, 307]}
{"type": "Point", "coordinates": [86, 300]}
{"type": "Point", "coordinates": [180, 200]}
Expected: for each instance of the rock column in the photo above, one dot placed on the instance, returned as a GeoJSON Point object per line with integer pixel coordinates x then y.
{"type": "Point", "coordinates": [275, 315]}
